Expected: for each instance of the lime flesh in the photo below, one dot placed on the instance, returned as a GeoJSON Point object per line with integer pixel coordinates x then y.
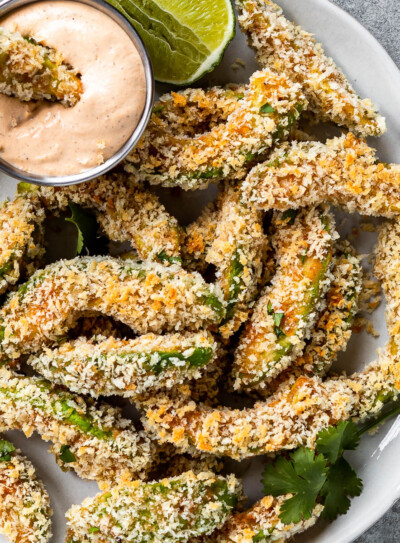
{"type": "Point", "coordinates": [184, 38]}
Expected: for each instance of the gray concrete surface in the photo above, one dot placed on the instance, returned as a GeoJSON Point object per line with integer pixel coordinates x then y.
{"type": "Point", "coordinates": [382, 18]}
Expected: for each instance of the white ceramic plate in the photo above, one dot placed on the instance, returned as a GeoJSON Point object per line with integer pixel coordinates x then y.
{"type": "Point", "coordinates": [374, 75]}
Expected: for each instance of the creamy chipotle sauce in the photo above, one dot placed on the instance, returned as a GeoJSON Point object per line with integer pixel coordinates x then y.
{"type": "Point", "coordinates": [50, 139]}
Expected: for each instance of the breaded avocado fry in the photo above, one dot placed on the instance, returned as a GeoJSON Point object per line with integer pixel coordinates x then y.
{"type": "Point", "coordinates": [295, 414]}
{"type": "Point", "coordinates": [260, 524]}
{"type": "Point", "coordinates": [285, 313]}
{"type": "Point", "coordinates": [332, 331]}
{"type": "Point", "coordinates": [199, 236]}
{"type": "Point", "coordinates": [125, 210]}
{"type": "Point", "coordinates": [169, 511]}
{"type": "Point", "coordinates": [291, 417]}
{"type": "Point", "coordinates": [237, 252]}
{"type": "Point", "coordinates": [31, 71]}
{"type": "Point", "coordinates": [147, 296]}
{"type": "Point", "coordinates": [288, 49]}
{"type": "Point", "coordinates": [189, 110]}
{"type": "Point", "coordinates": [20, 228]}
{"type": "Point", "coordinates": [92, 439]}
{"type": "Point", "coordinates": [25, 513]}
{"type": "Point", "coordinates": [270, 107]}
{"type": "Point", "coordinates": [106, 366]}
{"type": "Point", "coordinates": [344, 172]}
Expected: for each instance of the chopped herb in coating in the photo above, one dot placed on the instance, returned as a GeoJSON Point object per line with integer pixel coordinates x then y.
{"type": "Point", "coordinates": [96, 435]}
{"type": "Point", "coordinates": [146, 296]}
{"type": "Point", "coordinates": [104, 366]}
{"type": "Point", "coordinates": [285, 313]}
{"type": "Point", "coordinates": [166, 156]}
{"type": "Point", "coordinates": [31, 71]}
{"type": "Point", "coordinates": [285, 47]}
{"type": "Point", "coordinates": [172, 510]}
{"type": "Point", "coordinates": [25, 512]}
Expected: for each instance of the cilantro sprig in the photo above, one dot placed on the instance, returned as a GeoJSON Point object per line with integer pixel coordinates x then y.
{"type": "Point", "coordinates": [303, 475]}
{"type": "Point", "coordinates": [322, 475]}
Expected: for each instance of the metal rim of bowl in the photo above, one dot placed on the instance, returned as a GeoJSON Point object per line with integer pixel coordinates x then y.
{"type": "Point", "coordinates": [63, 180]}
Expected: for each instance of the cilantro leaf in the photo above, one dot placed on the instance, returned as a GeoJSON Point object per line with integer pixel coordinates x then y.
{"type": "Point", "coordinates": [304, 255]}
{"type": "Point", "coordinates": [333, 441]}
{"type": "Point", "coordinates": [66, 455]}
{"type": "Point", "coordinates": [261, 536]}
{"type": "Point", "coordinates": [5, 449]}
{"type": "Point", "coordinates": [163, 257]}
{"type": "Point", "coordinates": [290, 216]}
{"type": "Point", "coordinates": [267, 108]}
{"type": "Point", "coordinates": [341, 483]}
{"type": "Point", "coordinates": [303, 475]}
{"type": "Point", "coordinates": [87, 228]}
{"type": "Point", "coordinates": [278, 318]}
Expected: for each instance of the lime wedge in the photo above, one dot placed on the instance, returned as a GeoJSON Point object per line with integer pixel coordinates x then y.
{"type": "Point", "coordinates": [184, 38]}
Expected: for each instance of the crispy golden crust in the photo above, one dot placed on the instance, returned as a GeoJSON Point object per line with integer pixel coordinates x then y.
{"type": "Point", "coordinates": [25, 513]}
{"type": "Point", "coordinates": [92, 439]}
{"type": "Point", "coordinates": [192, 110]}
{"type": "Point", "coordinates": [103, 366]}
{"type": "Point", "coordinates": [20, 231]}
{"type": "Point", "coordinates": [166, 511]}
{"type": "Point", "coordinates": [343, 172]}
{"type": "Point", "coordinates": [260, 520]}
{"type": "Point", "coordinates": [295, 413]}
{"type": "Point", "coordinates": [199, 237]}
{"type": "Point", "coordinates": [146, 296]}
{"type": "Point", "coordinates": [30, 71]}
{"type": "Point", "coordinates": [288, 49]}
{"type": "Point", "coordinates": [125, 210]}
{"type": "Point", "coordinates": [284, 315]}
{"type": "Point", "coordinates": [237, 253]}
{"type": "Point", "coordinates": [269, 108]}
{"type": "Point", "coordinates": [292, 416]}
{"type": "Point", "coordinates": [333, 329]}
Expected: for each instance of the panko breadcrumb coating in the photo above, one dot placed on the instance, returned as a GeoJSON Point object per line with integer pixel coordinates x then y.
{"type": "Point", "coordinates": [344, 172]}
{"type": "Point", "coordinates": [147, 296]}
{"type": "Point", "coordinates": [199, 237]}
{"type": "Point", "coordinates": [125, 210]}
{"type": "Point", "coordinates": [288, 49]}
{"type": "Point", "coordinates": [265, 115]}
{"type": "Point", "coordinates": [20, 235]}
{"type": "Point", "coordinates": [237, 254]}
{"type": "Point", "coordinates": [30, 71]}
{"type": "Point", "coordinates": [25, 513]}
{"type": "Point", "coordinates": [295, 413]}
{"type": "Point", "coordinates": [92, 439]}
{"type": "Point", "coordinates": [387, 270]}
{"type": "Point", "coordinates": [167, 511]}
{"type": "Point", "coordinates": [333, 328]}
{"type": "Point", "coordinates": [261, 524]}
{"type": "Point", "coordinates": [190, 110]}
{"type": "Point", "coordinates": [286, 312]}
{"type": "Point", "coordinates": [106, 366]}
{"type": "Point", "coordinates": [291, 417]}
{"type": "Point", "coordinates": [176, 464]}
